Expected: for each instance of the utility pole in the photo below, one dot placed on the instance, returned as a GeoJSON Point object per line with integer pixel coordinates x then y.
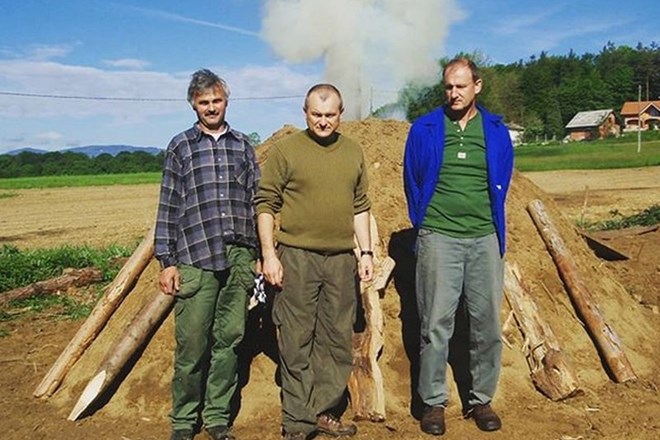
{"type": "Point", "coordinates": [639, 118]}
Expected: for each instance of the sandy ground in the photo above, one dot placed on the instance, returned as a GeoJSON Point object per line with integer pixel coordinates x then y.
{"type": "Point", "coordinates": [627, 292]}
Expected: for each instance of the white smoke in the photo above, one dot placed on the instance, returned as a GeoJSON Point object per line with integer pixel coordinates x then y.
{"type": "Point", "coordinates": [367, 45]}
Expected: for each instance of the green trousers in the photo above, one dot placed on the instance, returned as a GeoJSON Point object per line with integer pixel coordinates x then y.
{"type": "Point", "coordinates": [209, 322]}
{"type": "Point", "coordinates": [315, 313]}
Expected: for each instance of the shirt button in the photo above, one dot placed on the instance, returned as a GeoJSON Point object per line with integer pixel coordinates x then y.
{"type": "Point", "coordinates": [222, 195]}
{"type": "Point", "coordinates": [222, 214]}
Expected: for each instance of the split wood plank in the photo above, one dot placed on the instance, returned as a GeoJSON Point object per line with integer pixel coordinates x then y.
{"type": "Point", "coordinates": [551, 371]}
{"type": "Point", "coordinates": [365, 383]}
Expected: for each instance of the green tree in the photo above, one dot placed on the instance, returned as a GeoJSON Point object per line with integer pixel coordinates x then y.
{"type": "Point", "coordinates": [255, 139]}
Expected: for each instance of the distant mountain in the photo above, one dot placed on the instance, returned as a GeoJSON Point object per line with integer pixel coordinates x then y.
{"type": "Point", "coordinates": [92, 150]}
{"type": "Point", "coordinates": [95, 150]}
{"type": "Point", "coordinates": [26, 150]}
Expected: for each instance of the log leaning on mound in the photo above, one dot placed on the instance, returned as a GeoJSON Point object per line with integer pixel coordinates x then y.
{"type": "Point", "coordinates": [69, 278]}
{"type": "Point", "coordinates": [551, 372]}
{"type": "Point", "coordinates": [135, 336]}
{"type": "Point", "coordinates": [365, 383]}
{"type": "Point", "coordinates": [114, 294]}
{"type": "Point", "coordinates": [606, 340]}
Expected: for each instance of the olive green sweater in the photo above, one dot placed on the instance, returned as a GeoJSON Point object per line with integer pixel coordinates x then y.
{"type": "Point", "coordinates": [316, 189]}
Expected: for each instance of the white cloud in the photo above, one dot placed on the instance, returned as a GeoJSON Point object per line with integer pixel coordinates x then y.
{"type": "Point", "coordinates": [47, 52]}
{"type": "Point", "coordinates": [48, 137]}
{"type": "Point", "coordinates": [71, 102]}
{"type": "Point", "coordinates": [128, 63]}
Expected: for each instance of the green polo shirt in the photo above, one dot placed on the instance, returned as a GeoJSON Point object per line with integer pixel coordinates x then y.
{"type": "Point", "coordinates": [460, 205]}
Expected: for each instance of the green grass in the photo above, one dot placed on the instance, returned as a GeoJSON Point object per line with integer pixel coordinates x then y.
{"type": "Point", "coordinates": [91, 180]}
{"type": "Point", "coordinates": [22, 267]}
{"type": "Point", "coordinates": [7, 195]}
{"type": "Point", "coordinates": [649, 217]}
{"type": "Point", "coordinates": [604, 154]}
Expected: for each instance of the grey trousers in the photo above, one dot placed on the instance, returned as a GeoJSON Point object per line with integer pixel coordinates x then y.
{"type": "Point", "coordinates": [446, 269]}
{"type": "Point", "coordinates": [314, 313]}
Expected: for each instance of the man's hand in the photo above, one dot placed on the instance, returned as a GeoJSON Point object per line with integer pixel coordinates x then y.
{"type": "Point", "coordinates": [366, 267]}
{"type": "Point", "coordinates": [272, 269]}
{"type": "Point", "coordinates": [170, 280]}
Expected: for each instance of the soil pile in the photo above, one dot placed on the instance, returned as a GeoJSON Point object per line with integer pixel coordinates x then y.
{"type": "Point", "coordinates": [139, 406]}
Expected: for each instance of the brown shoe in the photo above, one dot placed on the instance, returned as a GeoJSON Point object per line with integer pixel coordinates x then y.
{"type": "Point", "coordinates": [220, 433]}
{"type": "Point", "coordinates": [485, 418]}
{"type": "Point", "coordinates": [182, 434]}
{"type": "Point", "coordinates": [433, 420]}
{"type": "Point", "coordinates": [331, 425]}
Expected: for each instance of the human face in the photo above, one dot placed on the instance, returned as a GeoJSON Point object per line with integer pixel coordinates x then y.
{"type": "Point", "coordinates": [210, 106]}
{"type": "Point", "coordinates": [460, 89]}
{"type": "Point", "coordinates": [323, 115]}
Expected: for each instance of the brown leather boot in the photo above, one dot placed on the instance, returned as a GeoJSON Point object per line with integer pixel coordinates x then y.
{"type": "Point", "coordinates": [485, 418]}
{"type": "Point", "coordinates": [433, 420]}
{"type": "Point", "coordinates": [331, 425]}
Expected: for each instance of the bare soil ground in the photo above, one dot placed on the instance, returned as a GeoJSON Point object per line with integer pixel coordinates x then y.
{"type": "Point", "coordinates": [628, 293]}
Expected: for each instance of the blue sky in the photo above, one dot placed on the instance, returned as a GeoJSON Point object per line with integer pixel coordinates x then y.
{"type": "Point", "coordinates": [141, 54]}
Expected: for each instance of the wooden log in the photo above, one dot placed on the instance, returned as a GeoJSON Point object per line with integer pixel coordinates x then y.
{"type": "Point", "coordinates": [606, 340]}
{"type": "Point", "coordinates": [365, 383]}
{"type": "Point", "coordinates": [551, 371]}
{"type": "Point", "coordinates": [113, 296]}
{"type": "Point", "coordinates": [136, 335]}
{"type": "Point", "coordinates": [70, 278]}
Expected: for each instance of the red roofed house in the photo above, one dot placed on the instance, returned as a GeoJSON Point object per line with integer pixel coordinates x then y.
{"type": "Point", "coordinates": [595, 124]}
{"type": "Point", "coordinates": [646, 111]}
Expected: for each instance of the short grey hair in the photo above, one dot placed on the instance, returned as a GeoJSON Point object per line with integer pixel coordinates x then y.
{"type": "Point", "coordinates": [203, 80]}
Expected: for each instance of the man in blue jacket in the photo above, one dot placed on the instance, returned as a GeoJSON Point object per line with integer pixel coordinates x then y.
{"type": "Point", "coordinates": [457, 169]}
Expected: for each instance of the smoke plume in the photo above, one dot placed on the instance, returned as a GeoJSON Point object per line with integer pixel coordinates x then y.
{"type": "Point", "coordinates": [368, 46]}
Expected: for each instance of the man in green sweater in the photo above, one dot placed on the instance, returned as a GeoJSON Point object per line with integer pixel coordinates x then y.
{"type": "Point", "coordinates": [316, 180]}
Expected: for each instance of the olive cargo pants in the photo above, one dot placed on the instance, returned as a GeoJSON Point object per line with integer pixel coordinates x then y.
{"type": "Point", "coordinates": [209, 323]}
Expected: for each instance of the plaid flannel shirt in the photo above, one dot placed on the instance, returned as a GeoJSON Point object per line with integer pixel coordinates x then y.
{"type": "Point", "coordinates": [206, 199]}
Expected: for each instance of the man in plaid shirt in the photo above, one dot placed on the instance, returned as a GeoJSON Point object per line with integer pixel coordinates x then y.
{"type": "Point", "coordinates": [206, 245]}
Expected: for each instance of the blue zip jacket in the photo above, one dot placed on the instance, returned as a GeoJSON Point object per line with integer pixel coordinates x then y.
{"type": "Point", "coordinates": [423, 160]}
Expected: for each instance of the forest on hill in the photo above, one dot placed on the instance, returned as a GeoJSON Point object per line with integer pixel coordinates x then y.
{"type": "Point", "coordinates": [543, 93]}
{"type": "Point", "coordinates": [56, 163]}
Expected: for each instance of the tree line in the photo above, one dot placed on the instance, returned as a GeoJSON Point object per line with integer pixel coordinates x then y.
{"type": "Point", "coordinates": [67, 163]}
{"type": "Point", "coordinates": [29, 164]}
{"type": "Point", "coordinates": [543, 93]}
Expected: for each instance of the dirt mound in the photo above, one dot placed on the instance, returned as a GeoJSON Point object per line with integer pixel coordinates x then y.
{"type": "Point", "coordinates": [140, 403]}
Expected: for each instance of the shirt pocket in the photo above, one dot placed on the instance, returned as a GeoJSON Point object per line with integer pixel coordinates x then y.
{"type": "Point", "coordinates": [240, 170]}
{"type": "Point", "coordinates": [191, 281]}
